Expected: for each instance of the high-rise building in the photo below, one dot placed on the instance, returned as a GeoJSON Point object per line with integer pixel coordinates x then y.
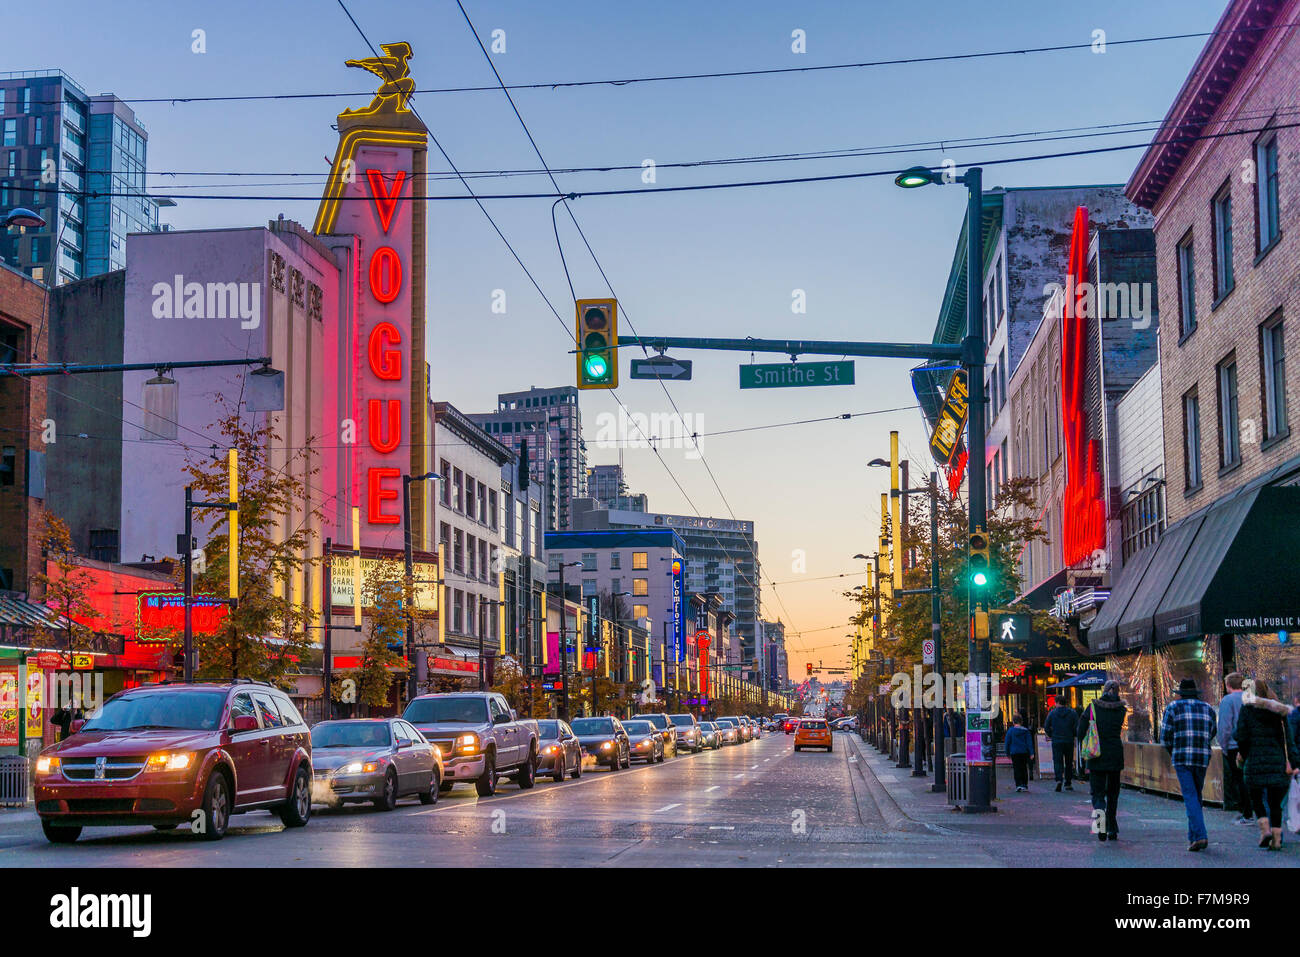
{"type": "Point", "coordinates": [605, 483]}
{"type": "Point", "coordinates": [56, 141]}
{"type": "Point", "coordinates": [558, 461]}
{"type": "Point", "coordinates": [721, 557]}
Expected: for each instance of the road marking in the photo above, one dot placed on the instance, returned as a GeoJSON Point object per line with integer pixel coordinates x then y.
{"type": "Point", "coordinates": [740, 775]}
{"type": "Point", "coordinates": [765, 760]}
{"type": "Point", "coordinates": [720, 827]}
{"type": "Point", "coordinates": [666, 807]}
{"type": "Point", "coordinates": [714, 788]}
{"type": "Point", "coordinates": [753, 767]}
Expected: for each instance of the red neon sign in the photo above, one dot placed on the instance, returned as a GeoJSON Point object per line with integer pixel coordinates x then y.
{"type": "Point", "coordinates": [702, 641]}
{"type": "Point", "coordinates": [385, 362]}
{"type": "Point", "coordinates": [1084, 509]}
{"type": "Point", "coordinates": [385, 199]}
{"type": "Point", "coordinates": [385, 274]}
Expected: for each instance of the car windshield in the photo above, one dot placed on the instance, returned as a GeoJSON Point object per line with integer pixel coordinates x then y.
{"type": "Point", "coordinates": [548, 729]}
{"type": "Point", "coordinates": [351, 734]}
{"type": "Point", "coordinates": [182, 710]}
{"type": "Point", "coordinates": [451, 710]}
{"type": "Point", "coordinates": [725, 723]}
{"type": "Point", "coordinates": [638, 727]}
{"type": "Point", "coordinates": [658, 720]}
{"type": "Point", "coordinates": [818, 725]}
{"type": "Point", "coordinates": [708, 726]}
{"type": "Point", "coordinates": [593, 726]}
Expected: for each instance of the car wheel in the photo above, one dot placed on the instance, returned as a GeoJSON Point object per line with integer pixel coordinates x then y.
{"type": "Point", "coordinates": [165, 827]}
{"type": "Point", "coordinates": [56, 834]}
{"type": "Point", "coordinates": [486, 784]}
{"type": "Point", "coordinates": [577, 771]}
{"type": "Point", "coordinates": [558, 772]}
{"type": "Point", "coordinates": [435, 787]}
{"type": "Point", "coordinates": [527, 775]}
{"type": "Point", "coordinates": [296, 812]}
{"type": "Point", "coordinates": [216, 808]}
{"type": "Point", "coordinates": [388, 800]}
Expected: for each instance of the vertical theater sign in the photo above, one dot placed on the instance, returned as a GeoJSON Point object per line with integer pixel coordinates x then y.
{"type": "Point", "coordinates": [375, 197]}
{"type": "Point", "coordinates": [1083, 509]}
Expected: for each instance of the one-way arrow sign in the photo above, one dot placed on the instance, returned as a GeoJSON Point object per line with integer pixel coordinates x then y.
{"type": "Point", "coordinates": [661, 367]}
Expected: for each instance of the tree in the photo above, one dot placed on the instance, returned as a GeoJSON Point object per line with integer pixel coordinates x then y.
{"type": "Point", "coordinates": [267, 630]}
{"type": "Point", "coordinates": [65, 586]}
{"type": "Point", "coordinates": [1011, 525]}
{"type": "Point", "coordinates": [370, 683]}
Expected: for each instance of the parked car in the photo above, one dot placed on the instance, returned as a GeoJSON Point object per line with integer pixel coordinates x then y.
{"type": "Point", "coordinates": [667, 730]}
{"type": "Point", "coordinates": [688, 732]}
{"type": "Point", "coordinates": [559, 752]}
{"type": "Point", "coordinates": [755, 727]}
{"type": "Point", "coordinates": [813, 733]}
{"type": "Point", "coordinates": [644, 743]}
{"type": "Point", "coordinates": [710, 736]}
{"type": "Point", "coordinates": [728, 731]}
{"type": "Point", "coordinates": [373, 759]}
{"type": "Point", "coordinates": [480, 737]}
{"type": "Point", "coordinates": [745, 734]}
{"type": "Point", "coordinates": [176, 754]}
{"type": "Point", "coordinates": [604, 740]}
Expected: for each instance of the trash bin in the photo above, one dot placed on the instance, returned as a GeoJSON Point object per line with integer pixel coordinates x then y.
{"type": "Point", "coordinates": [14, 770]}
{"type": "Point", "coordinates": [957, 776]}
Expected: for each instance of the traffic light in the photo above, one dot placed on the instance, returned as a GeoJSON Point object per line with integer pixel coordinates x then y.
{"type": "Point", "coordinates": [809, 667]}
{"type": "Point", "coordinates": [981, 572]}
{"type": "Point", "coordinates": [597, 339]}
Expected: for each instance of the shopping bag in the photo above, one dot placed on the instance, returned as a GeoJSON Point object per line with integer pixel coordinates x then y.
{"type": "Point", "coordinates": [1091, 740]}
{"type": "Point", "coordinates": [1293, 806]}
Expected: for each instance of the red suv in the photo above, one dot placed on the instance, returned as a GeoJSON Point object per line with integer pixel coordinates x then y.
{"type": "Point", "coordinates": [173, 754]}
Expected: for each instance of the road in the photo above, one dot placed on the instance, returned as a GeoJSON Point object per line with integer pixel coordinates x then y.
{"type": "Point", "coordinates": [752, 805]}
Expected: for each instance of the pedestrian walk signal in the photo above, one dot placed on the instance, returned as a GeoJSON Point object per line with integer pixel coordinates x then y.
{"type": "Point", "coordinates": [980, 570]}
{"type": "Point", "coordinates": [597, 341]}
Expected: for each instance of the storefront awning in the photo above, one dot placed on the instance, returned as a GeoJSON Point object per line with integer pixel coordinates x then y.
{"type": "Point", "coordinates": [1240, 574]}
{"type": "Point", "coordinates": [1227, 569]}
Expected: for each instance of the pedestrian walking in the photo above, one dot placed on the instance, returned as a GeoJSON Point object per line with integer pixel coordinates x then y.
{"type": "Point", "coordinates": [1106, 715]}
{"type": "Point", "coordinates": [1269, 758]}
{"type": "Point", "coordinates": [1187, 730]}
{"type": "Point", "coordinates": [1020, 745]}
{"type": "Point", "coordinates": [1235, 797]}
{"type": "Point", "coordinates": [1062, 727]}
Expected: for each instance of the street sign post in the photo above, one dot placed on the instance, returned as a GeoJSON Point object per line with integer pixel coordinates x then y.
{"type": "Point", "coordinates": [782, 375]}
{"type": "Point", "coordinates": [927, 651]}
{"type": "Point", "coordinates": [661, 367]}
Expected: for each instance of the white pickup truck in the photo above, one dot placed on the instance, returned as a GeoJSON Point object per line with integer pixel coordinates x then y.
{"type": "Point", "coordinates": [480, 737]}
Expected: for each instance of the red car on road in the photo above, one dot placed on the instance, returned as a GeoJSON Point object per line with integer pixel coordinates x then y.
{"type": "Point", "coordinates": [174, 754]}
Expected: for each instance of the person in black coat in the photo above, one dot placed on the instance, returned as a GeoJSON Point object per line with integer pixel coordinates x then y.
{"type": "Point", "coordinates": [1269, 757]}
{"type": "Point", "coordinates": [1104, 770]}
{"type": "Point", "coordinates": [1062, 727]}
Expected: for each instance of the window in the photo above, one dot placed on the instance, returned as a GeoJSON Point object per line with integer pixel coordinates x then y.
{"type": "Point", "coordinates": [11, 133]}
{"type": "Point", "coordinates": [615, 586]}
{"type": "Point", "coordinates": [589, 561]}
{"type": "Point", "coordinates": [615, 562]}
{"type": "Point", "coordinates": [241, 706]}
{"type": "Point", "coordinates": [269, 712]}
{"type": "Point", "coordinates": [493, 518]}
{"type": "Point", "coordinates": [482, 503]}
{"type": "Point", "coordinates": [471, 546]}
{"type": "Point", "coordinates": [458, 486]}
{"type": "Point", "coordinates": [1186, 287]}
{"type": "Point", "coordinates": [484, 569]}
{"type": "Point", "coordinates": [1002, 379]}
{"type": "Point", "coordinates": [1229, 434]}
{"type": "Point", "coordinates": [640, 561]}
{"type": "Point", "coordinates": [640, 587]}
{"type": "Point", "coordinates": [1191, 441]}
{"type": "Point", "coordinates": [1273, 358]}
{"type": "Point", "coordinates": [588, 587]}
{"type": "Point", "coordinates": [1221, 213]}
{"type": "Point", "coordinates": [444, 469]}
{"type": "Point", "coordinates": [104, 544]}
{"type": "Point", "coordinates": [553, 562]}
{"type": "Point", "coordinates": [457, 610]}
{"type": "Point", "coordinates": [8, 465]}
{"type": "Point", "coordinates": [444, 535]}
{"type": "Point", "coordinates": [640, 611]}
{"type": "Point", "coordinates": [458, 557]}
{"type": "Point", "coordinates": [1266, 193]}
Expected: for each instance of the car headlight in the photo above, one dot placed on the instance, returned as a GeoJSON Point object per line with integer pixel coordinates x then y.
{"type": "Point", "coordinates": [606, 745]}
{"type": "Point", "coordinates": [467, 743]}
{"type": "Point", "coordinates": [47, 765]}
{"type": "Point", "coordinates": [550, 749]}
{"type": "Point", "coordinates": [353, 768]}
{"type": "Point", "coordinates": [169, 761]}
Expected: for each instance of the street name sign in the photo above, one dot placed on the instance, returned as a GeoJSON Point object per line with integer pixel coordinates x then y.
{"type": "Point", "coordinates": [661, 367]}
{"type": "Point", "coordinates": [782, 375]}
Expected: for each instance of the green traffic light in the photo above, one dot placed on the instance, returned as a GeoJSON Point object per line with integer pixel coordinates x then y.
{"type": "Point", "coordinates": [595, 367]}
{"type": "Point", "coordinates": [979, 578]}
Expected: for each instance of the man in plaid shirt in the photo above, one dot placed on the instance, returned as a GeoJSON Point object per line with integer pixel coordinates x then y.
{"type": "Point", "coordinates": [1187, 728]}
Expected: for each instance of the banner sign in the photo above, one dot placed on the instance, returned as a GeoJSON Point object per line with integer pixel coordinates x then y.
{"type": "Point", "coordinates": [425, 576]}
{"type": "Point", "coordinates": [165, 611]}
{"type": "Point", "coordinates": [8, 706]}
{"type": "Point", "coordinates": [679, 616]}
{"type": "Point", "coordinates": [951, 423]}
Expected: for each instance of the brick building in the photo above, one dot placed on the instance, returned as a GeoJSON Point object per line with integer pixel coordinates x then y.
{"type": "Point", "coordinates": [22, 429]}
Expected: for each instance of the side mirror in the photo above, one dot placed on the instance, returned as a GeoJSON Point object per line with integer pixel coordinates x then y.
{"type": "Point", "coordinates": [243, 722]}
{"type": "Point", "coordinates": [76, 725]}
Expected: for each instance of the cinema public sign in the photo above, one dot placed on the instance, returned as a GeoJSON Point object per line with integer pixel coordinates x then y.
{"type": "Point", "coordinates": [951, 423]}
{"type": "Point", "coordinates": [375, 193]}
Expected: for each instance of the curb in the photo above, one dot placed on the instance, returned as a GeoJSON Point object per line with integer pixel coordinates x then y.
{"type": "Point", "coordinates": [896, 819]}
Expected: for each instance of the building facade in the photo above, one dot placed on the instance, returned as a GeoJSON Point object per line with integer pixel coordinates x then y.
{"type": "Point", "coordinates": [53, 133]}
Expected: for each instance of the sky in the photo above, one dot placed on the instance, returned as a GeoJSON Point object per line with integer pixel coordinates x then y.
{"type": "Point", "coordinates": [868, 260]}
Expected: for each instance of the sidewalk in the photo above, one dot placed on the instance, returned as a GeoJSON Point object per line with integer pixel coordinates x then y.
{"type": "Point", "coordinates": [1042, 826]}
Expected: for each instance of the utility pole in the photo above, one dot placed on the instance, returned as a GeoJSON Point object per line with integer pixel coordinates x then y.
{"type": "Point", "coordinates": [327, 648]}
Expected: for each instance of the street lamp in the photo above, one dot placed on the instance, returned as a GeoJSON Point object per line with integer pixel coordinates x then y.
{"type": "Point", "coordinates": [23, 217]}
{"type": "Point", "coordinates": [973, 359]}
{"type": "Point", "coordinates": [408, 596]}
{"type": "Point", "coordinates": [564, 643]}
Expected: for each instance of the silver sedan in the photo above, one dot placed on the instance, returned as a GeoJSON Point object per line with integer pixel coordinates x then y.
{"type": "Point", "coordinates": [373, 759]}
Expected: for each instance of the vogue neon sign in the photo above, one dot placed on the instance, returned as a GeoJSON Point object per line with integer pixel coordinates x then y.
{"type": "Point", "coordinates": [1084, 509]}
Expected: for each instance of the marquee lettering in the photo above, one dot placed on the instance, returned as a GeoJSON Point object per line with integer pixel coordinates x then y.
{"type": "Point", "coordinates": [385, 274]}
{"type": "Point", "coordinates": [377, 494]}
{"type": "Point", "coordinates": [385, 362]}
{"type": "Point", "coordinates": [381, 444]}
